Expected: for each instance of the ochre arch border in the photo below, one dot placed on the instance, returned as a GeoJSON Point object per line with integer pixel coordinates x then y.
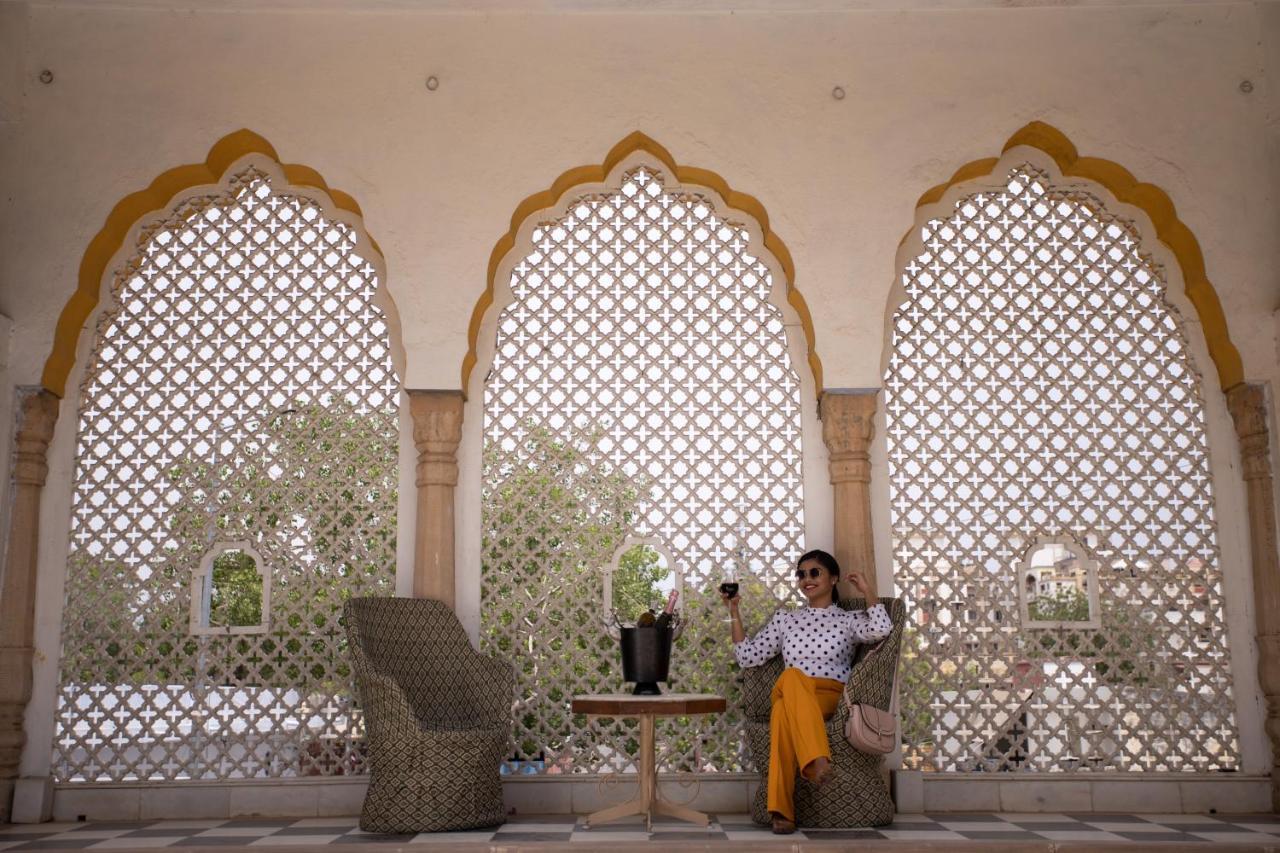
{"type": "Point", "coordinates": [1152, 200]}
{"type": "Point", "coordinates": [162, 191]}
{"type": "Point", "coordinates": [687, 175]}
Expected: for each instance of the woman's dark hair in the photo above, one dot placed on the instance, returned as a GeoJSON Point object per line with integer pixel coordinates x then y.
{"type": "Point", "coordinates": [828, 562]}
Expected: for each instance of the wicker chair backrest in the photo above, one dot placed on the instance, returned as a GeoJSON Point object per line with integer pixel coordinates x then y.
{"type": "Point", "coordinates": [421, 644]}
{"type": "Point", "coordinates": [872, 682]}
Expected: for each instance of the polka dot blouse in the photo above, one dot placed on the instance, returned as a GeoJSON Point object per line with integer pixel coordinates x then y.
{"type": "Point", "coordinates": [816, 640]}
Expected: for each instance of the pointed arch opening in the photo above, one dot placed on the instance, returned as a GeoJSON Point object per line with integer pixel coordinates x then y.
{"type": "Point", "coordinates": [634, 145]}
{"type": "Point", "coordinates": [647, 373]}
{"type": "Point", "coordinates": [105, 248]}
{"type": "Point", "coordinates": [1126, 189]}
{"type": "Point", "coordinates": [240, 383]}
{"type": "Point", "coordinates": [1040, 387]}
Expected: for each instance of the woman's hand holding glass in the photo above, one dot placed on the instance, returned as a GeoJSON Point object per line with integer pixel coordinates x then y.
{"type": "Point", "coordinates": [729, 595]}
{"type": "Point", "coordinates": [729, 589]}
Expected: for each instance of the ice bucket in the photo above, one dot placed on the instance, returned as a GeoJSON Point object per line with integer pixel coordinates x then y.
{"type": "Point", "coordinates": [646, 658]}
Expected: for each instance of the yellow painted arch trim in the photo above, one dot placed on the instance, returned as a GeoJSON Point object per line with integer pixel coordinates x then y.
{"type": "Point", "coordinates": [1149, 198]}
{"type": "Point", "coordinates": [162, 191]}
{"type": "Point", "coordinates": [687, 175]}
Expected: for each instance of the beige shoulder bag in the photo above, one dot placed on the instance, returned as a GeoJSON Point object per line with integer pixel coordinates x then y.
{"type": "Point", "coordinates": [869, 729]}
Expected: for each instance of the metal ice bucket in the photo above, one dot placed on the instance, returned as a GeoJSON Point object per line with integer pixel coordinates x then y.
{"type": "Point", "coordinates": [646, 657]}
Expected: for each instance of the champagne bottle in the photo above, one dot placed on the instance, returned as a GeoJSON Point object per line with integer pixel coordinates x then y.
{"type": "Point", "coordinates": [646, 620]}
{"type": "Point", "coordinates": [668, 612]}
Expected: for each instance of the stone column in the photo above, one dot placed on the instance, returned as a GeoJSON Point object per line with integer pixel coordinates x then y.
{"type": "Point", "coordinates": [38, 412]}
{"type": "Point", "coordinates": [847, 427]}
{"type": "Point", "coordinates": [1248, 406]}
{"type": "Point", "coordinates": [437, 429]}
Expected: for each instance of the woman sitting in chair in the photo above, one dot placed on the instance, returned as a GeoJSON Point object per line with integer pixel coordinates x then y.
{"type": "Point", "coordinates": [816, 643]}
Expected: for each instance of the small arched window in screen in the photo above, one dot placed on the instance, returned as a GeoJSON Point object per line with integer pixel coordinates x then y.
{"type": "Point", "coordinates": [1044, 416]}
{"type": "Point", "coordinates": [641, 385]}
{"type": "Point", "coordinates": [240, 388]}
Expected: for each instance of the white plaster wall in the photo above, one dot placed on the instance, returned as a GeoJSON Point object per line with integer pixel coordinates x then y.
{"type": "Point", "coordinates": [8, 400]}
{"type": "Point", "coordinates": [525, 96]}
{"type": "Point", "coordinates": [1269, 373]}
{"type": "Point", "coordinates": [13, 39]}
{"type": "Point", "coordinates": [139, 88]}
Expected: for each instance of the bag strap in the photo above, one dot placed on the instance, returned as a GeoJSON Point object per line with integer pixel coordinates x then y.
{"type": "Point", "coordinates": [893, 687]}
{"type": "Point", "coordinates": [893, 701]}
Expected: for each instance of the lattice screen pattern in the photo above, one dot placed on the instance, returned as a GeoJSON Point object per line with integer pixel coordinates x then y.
{"type": "Point", "coordinates": [240, 388]}
{"type": "Point", "coordinates": [1040, 385]}
{"type": "Point", "coordinates": [641, 385]}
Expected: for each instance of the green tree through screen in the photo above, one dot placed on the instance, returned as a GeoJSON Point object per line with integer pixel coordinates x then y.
{"type": "Point", "coordinates": [636, 582]}
{"type": "Point", "coordinates": [235, 598]}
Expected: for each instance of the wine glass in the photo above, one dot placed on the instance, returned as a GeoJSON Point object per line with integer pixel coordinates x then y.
{"type": "Point", "coordinates": [729, 578]}
{"type": "Point", "coordinates": [729, 586]}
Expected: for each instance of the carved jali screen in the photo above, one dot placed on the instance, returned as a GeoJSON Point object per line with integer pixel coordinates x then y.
{"type": "Point", "coordinates": [1040, 389]}
{"type": "Point", "coordinates": [641, 386]}
{"type": "Point", "coordinates": [240, 388]}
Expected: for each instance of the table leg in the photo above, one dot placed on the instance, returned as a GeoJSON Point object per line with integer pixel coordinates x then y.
{"type": "Point", "coordinates": [648, 770]}
{"type": "Point", "coordinates": [681, 812]}
{"type": "Point", "coordinates": [654, 804]}
{"type": "Point", "coordinates": [630, 807]}
{"type": "Point", "coordinates": [648, 800]}
{"type": "Point", "coordinates": [644, 799]}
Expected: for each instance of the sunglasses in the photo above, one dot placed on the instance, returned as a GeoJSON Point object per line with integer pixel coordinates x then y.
{"type": "Point", "coordinates": [813, 573]}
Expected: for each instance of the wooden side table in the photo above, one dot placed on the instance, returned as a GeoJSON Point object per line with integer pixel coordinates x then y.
{"type": "Point", "coordinates": [648, 801]}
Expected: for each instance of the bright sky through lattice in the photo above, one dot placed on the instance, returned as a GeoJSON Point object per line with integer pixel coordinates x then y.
{"type": "Point", "coordinates": [243, 335]}
{"type": "Point", "coordinates": [645, 314]}
{"type": "Point", "coordinates": [1040, 385]}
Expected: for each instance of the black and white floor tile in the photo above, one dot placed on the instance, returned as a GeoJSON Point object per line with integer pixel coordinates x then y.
{"type": "Point", "coordinates": [1212, 830]}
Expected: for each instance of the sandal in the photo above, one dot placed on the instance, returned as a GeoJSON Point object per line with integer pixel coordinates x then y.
{"type": "Point", "coordinates": [782, 826]}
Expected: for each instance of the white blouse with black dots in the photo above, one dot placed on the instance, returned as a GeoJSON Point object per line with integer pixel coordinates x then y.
{"type": "Point", "coordinates": [816, 640]}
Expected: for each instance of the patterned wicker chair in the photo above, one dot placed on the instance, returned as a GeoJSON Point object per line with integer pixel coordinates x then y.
{"type": "Point", "coordinates": [438, 716]}
{"type": "Point", "coordinates": [855, 794]}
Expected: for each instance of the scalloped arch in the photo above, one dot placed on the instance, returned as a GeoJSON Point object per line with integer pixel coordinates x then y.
{"type": "Point", "coordinates": [1153, 201]}
{"type": "Point", "coordinates": [688, 175]}
{"type": "Point", "coordinates": [105, 245]}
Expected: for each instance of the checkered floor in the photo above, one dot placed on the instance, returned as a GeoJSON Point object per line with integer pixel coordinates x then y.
{"type": "Point", "coordinates": [143, 835]}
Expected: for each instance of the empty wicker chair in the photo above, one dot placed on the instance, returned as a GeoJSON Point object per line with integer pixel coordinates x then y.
{"type": "Point", "coordinates": [438, 716]}
{"type": "Point", "coordinates": [855, 794]}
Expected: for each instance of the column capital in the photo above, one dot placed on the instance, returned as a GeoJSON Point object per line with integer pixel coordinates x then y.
{"type": "Point", "coordinates": [38, 413]}
{"type": "Point", "coordinates": [437, 431]}
{"type": "Point", "coordinates": [1247, 403]}
{"type": "Point", "coordinates": [848, 424]}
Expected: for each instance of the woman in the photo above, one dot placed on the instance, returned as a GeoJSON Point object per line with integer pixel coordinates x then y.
{"type": "Point", "coordinates": [816, 643]}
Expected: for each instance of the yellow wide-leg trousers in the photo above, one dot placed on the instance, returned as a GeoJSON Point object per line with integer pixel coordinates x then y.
{"type": "Point", "coordinates": [797, 732]}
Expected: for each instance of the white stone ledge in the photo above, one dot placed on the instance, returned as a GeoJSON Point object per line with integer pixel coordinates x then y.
{"type": "Point", "coordinates": [721, 793]}
{"type": "Point", "coordinates": [1219, 793]}
{"type": "Point", "coordinates": [728, 792]}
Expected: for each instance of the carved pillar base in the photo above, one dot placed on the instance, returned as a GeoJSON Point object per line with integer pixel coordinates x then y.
{"type": "Point", "coordinates": [38, 414]}
{"type": "Point", "coordinates": [15, 693]}
{"type": "Point", "coordinates": [1269, 662]}
{"type": "Point", "coordinates": [437, 430]}
{"type": "Point", "coordinates": [848, 423]}
{"type": "Point", "coordinates": [1248, 406]}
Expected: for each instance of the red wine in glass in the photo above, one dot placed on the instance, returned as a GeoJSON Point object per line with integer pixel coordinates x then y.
{"type": "Point", "coordinates": [729, 588]}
